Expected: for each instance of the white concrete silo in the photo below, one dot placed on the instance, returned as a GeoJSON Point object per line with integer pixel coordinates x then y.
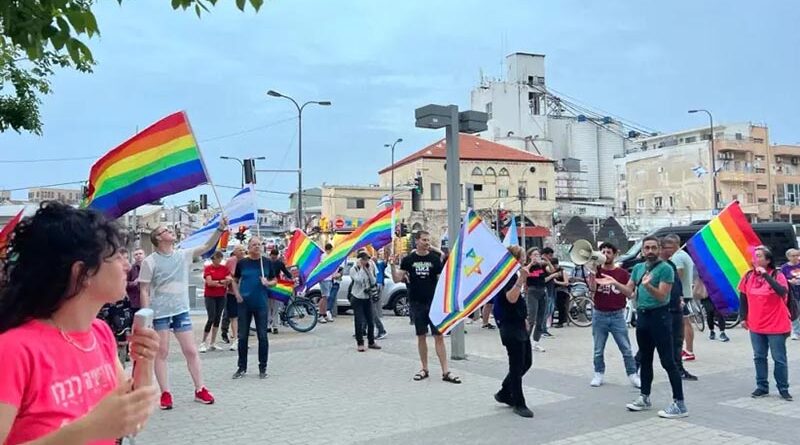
{"type": "Point", "coordinates": [583, 146]}
{"type": "Point", "coordinates": [610, 143]}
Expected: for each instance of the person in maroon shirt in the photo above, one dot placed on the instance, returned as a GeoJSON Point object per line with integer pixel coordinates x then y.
{"type": "Point", "coordinates": [609, 315]}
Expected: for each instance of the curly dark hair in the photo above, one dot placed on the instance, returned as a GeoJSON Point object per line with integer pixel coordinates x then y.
{"type": "Point", "coordinates": [41, 253]}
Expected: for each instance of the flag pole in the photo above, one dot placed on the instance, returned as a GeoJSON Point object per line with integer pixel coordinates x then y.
{"type": "Point", "coordinates": [258, 234]}
{"type": "Point", "coordinates": [203, 163]}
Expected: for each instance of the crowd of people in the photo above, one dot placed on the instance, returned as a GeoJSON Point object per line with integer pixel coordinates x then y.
{"type": "Point", "coordinates": [89, 398]}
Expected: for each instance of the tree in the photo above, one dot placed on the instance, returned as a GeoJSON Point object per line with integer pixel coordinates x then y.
{"type": "Point", "coordinates": [38, 36]}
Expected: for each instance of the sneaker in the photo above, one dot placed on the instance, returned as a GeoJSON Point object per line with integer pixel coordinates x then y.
{"type": "Point", "coordinates": [234, 346]}
{"type": "Point", "coordinates": [166, 400]}
{"type": "Point", "coordinates": [675, 410]}
{"type": "Point", "coordinates": [488, 326]}
{"type": "Point", "coordinates": [548, 335]}
{"type": "Point", "coordinates": [636, 381]}
{"type": "Point", "coordinates": [759, 393]}
{"type": "Point", "coordinates": [688, 356]}
{"type": "Point", "coordinates": [523, 411]}
{"type": "Point", "coordinates": [383, 336]}
{"type": "Point", "coordinates": [538, 348]}
{"type": "Point", "coordinates": [712, 335]}
{"type": "Point", "coordinates": [322, 320]}
{"type": "Point", "coordinates": [685, 375]}
{"type": "Point", "coordinates": [502, 398]}
{"type": "Point", "coordinates": [640, 404]}
{"type": "Point", "coordinates": [724, 337]}
{"type": "Point", "coordinates": [203, 396]}
{"type": "Point", "coordinates": [374, 346]}
{"type": "Point", "coordinates": [795, 337]}
{"type": "Point", "coordinates": [219, 347]}
{"type": "Point", "coordinates": [226, 339]}
{"type": "Point", "coordinates": [203, 347]}
{"type": "Point", "coordinates": [329, 316]}
{"type": "Point", "coordinates": [238, 374]}
{"type": "Point", "coordinates": [597, 380]}
{"type": "Point", "coordinates": [275, 331]}
{"type": "Point", "coordinates": [262, 374]}
{"type": "Point", "coordinates": [786, 396]}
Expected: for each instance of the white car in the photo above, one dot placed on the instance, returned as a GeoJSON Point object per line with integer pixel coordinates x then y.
{"type": "Point", "coordinates": [394, 296]}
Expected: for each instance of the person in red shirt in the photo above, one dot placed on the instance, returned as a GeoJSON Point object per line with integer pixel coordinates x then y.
{"type": "Point", "coordinates": [61, 381]}
{"type": "Point", "coordinates": [763, 294]}
{"type": "Point", "coordinates": [217, 278]}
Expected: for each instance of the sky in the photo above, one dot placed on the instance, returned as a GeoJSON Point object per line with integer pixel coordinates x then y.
{"type": "Point", "coordinates": [378, 60]}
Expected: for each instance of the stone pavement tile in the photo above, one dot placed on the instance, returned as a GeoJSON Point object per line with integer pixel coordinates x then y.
{"type": "Point", "coordinates": [660, 431]}
{"type": "Point", "coordinates": [770, 405]}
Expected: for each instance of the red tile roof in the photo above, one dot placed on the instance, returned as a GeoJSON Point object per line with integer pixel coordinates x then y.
{"type": "Point", "coordinates": [471, 148]}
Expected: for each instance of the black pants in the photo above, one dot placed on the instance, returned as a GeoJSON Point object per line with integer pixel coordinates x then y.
{"type": "Point", "coordinates": [227, 314]}
{"type": "Point", "coordinates": [362, 308]}
{"type": "Point", "coordinates": [214, 307]}
{"type": "Point", "coordinates": [520, 359]}
{"type": "Point", "coordinates": [246, 314]}
{"type": "Point", "coordinates": [711, 314]}
{"type": "Point", "coordinates": [678, 334]}
{"type": "Point", "coordinates": [654, 332]}
{"type": "Point", "coordinates": [562, 305]}
{"type": "Point", "coordinates": [536, 300]}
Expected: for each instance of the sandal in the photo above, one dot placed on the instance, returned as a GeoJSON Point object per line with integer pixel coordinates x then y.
{"type": "Point", "coordinates": [449, 377]}
{"type": "Point", "coordinates": [421, 375]}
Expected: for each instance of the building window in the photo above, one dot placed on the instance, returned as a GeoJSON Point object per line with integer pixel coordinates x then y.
{"type": "Point", "coordinates": [531, 79]}
{"type": "Point", "coordinates": [502, 193]}
{"type": "Point", "coordinates": [477, 171]}
{"type": "Point", "coordinates": [489, 109]}
{"type": "Point", "coordinates": [739, 136]}
{"type": "Point", "coordinates": [761, 170]}
{"type": "Point", "coordinates": [503, 172]}
{"type": "Point", "coordinates": [761, 158]}
{"type": "Point", "coordinates": [535, 103]}
{"type": "Point", "coordinates": [477, 187]}
{"type": "Point", "coordinates": [758, 140]}
{"type": "Point", "coordinates": [762, 200]}
{"type": "Point", "coordinates": [750, 198]}
{"type": "Point", "coordinates": [355, 203]}
{"type": "Point", "coordinates": [705, 137]}
{"type": "Point", "coordinates": [436, 191]}
{"type": "Point", "coordinates": [543, 190]}
{"type": "Point", "coordinates": [490, 175]}
{"type": "Point", "coordinates": [640, 203]}
{"type": "Point", "coordinates": [689, 140]}
{"type": "Point", "coordinates": [761, 186]}
{"type": "Point", "coordinates": [658, 202]}
{"type": "Point", "coordinates": [672, 201]}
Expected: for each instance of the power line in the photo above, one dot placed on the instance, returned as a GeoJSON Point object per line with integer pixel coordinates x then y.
{"type": "Point", "coordinates": [43, 186]}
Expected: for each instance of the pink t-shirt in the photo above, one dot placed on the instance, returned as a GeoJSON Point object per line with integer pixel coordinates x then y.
{"type": "Point", "coordinates": [50, 381]}
{"type": "Point", "coordinates": [767, 312]}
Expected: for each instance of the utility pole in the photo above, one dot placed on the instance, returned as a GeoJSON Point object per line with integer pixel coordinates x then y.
{"type": "Point", "coordinates": [523, 196]}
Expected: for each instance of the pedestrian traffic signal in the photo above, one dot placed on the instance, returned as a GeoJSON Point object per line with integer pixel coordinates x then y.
{"type": "Point", "coordinates": [240, 234]}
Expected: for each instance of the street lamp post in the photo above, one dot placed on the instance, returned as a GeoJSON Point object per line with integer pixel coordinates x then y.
{"type": "Point", "coordinates": [713, 157]}
{"type": "Point", "coordinates": [300, 108]}
{"type": "Point", "coordinates": [392, 145]}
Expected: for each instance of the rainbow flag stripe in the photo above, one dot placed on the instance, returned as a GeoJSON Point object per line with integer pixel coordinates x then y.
{"type": "Point", "coordinates": [282, 291]}
{"type": "Point", "coordinates": [377, 232]}
{"type": "Point", "coordinates": [452, 270]}
{"type": "Point", "coordinates": [160, 161]}
{"type": "Point", "coordinates": [302, 253]}
{"type": "Point", "coordinates": [722, 253]}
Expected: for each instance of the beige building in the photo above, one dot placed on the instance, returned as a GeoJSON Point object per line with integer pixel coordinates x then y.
{"type": "Point", "coordinates": [497, 173]}
{"type": "Point", "coordinates": [69, 196]}
{"type": "Point", "coordinates": [347, 206]}
{"type": "Point", "coordinates": [786, 181]}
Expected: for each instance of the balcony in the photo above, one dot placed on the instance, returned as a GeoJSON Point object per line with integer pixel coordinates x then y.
{"type": "Point", "coordinates": [741, 146]}
{"type": "Point", "coordinates": [738, 174]}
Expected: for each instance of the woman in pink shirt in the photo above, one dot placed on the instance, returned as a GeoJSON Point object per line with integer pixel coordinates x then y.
{"type": "Point", "coordinates": [61, 381]}
{"type": "Point", "coordinates": [765, 313]}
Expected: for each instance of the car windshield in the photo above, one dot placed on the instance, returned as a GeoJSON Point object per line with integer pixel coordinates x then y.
{"type": "Point", "coordinates": [635, 248]}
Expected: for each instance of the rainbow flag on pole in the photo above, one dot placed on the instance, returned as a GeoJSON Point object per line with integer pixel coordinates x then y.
{"type": "Point", "coordinates": [722, 252]}
{"type": "Point", "coordinates": [477, 268]}
{"type": "Point", "coordinates": [282, 291]}
{"type": "Point", "coordinates": [377, 232]}
{"type": "Point", "coordinates": [302, 253]}
{"type": "Point", "coordinates": [160, 161]}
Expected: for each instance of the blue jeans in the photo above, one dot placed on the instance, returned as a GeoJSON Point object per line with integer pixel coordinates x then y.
{"type": "Point", "coordinates": [604, 323]}
{"type": "Point", "coordinates": [776, 344]}
{"type": "Point", "coordinates": [332, 296]}
{"type": "Point", "coordinates": [246, 314]}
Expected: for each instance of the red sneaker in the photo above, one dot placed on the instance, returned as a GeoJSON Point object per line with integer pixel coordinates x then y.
{"type": "Point", "coordinates": [203, 396]}
{"type": "Point", "coordinates": [687, 356]}
{"type": "Point", "coordinates": [166, 400]}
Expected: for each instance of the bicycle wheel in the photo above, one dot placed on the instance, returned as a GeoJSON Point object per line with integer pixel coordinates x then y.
{"type": "Point", "coordinates": [698, 316]}
{"type": "Point", "coordinates": [732, 320]}
{"type": "Point", "coordinates": [301, 315]}
{"type": "Point", "coordinates": [580, 311]}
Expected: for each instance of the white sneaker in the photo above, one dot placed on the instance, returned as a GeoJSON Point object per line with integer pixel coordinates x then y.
{"type": "Point", "coordinates": [329, 316]}
{"type": "Point", "coordinates": [597, 380]}
{"type": "Point", "coordinates": [234, 346]}
{"type": "Point", "coordinates": [636, 381]}
{"type": "Point", "coordinates": [795, 337]}
{"type": "Point", "coordinates": [537, 348]}
{"type": "Point", "coordinates": [322, 320]}
{"type": "Point", "coordinates": [219, 347]}
{"type": "Point", "coordinates": [203, 347]}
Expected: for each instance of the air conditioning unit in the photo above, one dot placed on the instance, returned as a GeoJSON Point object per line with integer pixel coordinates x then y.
{"type": "Point", "coordinates": [671, 209]}
{"type": "Point", "coordinates": [778, 159]}
{"type": "Point", "coordinates": [722, 156]}
{"type": "Point", "coordinates": [795, 160]}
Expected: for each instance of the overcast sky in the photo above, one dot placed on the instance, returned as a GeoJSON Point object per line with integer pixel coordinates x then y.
{"type": "Point", "coordinates": [378, 60]}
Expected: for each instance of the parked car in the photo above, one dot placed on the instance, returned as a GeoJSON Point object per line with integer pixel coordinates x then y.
{"type": "Point", "coordinates": [394, 296]}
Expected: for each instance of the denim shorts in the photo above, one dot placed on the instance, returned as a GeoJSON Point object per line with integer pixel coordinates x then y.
{"type": "Point", "coordinates": [325, 287]}
{"type": "Point", "coordinates": [178, 323]}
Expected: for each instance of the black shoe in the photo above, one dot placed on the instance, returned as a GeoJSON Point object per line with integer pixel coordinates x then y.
{"type": "Point", "coordinates": [758, 393]}
{"type": "Point", "coordinates": [488, 326]}
{"type": "Point", "coordinates": [547, 334]}
{"type": "Point", "coordinates": [688, 377]}
{"type": "Point", "coordinates": [239, 374]}
{"type": "Point", "coordinates": [226, 339]}
{"type": "Point", "coordinates": [374, 346]}
{"type": "Point", "coordinates": [712, 335]}
{"type": "Point", "coordinates": [523, 411]}
{"type": "Point", "coordinates": [275, 331]}
{"type": "Point", "coordinates": [786, 396]}
{"type": "Point", "coordinates": [502, 398]}
{"type": "Point", "coordinates": [263, 374]}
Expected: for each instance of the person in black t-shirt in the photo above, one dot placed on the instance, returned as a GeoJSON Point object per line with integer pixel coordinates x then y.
{"type": "Point", "coordinates": [420, 271]}
{"type": "Point", "coordinates": [514, 329]}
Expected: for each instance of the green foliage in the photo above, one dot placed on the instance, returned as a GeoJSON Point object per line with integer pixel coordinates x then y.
{"type": "Point", "coordinates": [37, 36]}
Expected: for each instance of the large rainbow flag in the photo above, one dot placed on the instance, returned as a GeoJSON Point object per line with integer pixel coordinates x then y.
{"type": "Point", "coordinates": [302, 253]}
{"type": "Point", "coordinates": [722, 253]}
{"type": "Point", "coordinates": [160, 161]}
{"type": "Point", "coordinates": [377, 232]}
{"type": "Point", "coordinates": [477, 268]}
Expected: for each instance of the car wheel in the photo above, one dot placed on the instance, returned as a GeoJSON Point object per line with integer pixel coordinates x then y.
{"type": "Point", "coordinates": [400, 304]}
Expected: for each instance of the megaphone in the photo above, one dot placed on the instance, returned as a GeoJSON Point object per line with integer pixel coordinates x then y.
{"type": "Point", "coordinates": [582, 252]}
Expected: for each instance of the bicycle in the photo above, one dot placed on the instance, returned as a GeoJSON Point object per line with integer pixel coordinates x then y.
{"type": "Point", "coordinates": [581, 306]}
{"type": "Point", "coordinates": [697, 314]}
{"type": "Point", "coordinates": [299, 313]}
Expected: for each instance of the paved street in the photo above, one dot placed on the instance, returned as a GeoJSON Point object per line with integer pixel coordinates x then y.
{"type": "Point", "coordinates": [321, 391]}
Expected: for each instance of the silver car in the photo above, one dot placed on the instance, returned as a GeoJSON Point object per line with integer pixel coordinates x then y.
{"type": "Point", "coordinates": [394, 296]}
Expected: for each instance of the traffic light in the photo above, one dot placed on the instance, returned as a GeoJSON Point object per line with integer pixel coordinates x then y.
{"type": "Point", "coordinates": [240, 234]}
{"type": "Point", "coordinates": [249, 171]}
{"type": "Point", "coordinates": [418, 184]}
{"type": "Point", "coordinates": [416, 195]}
{"type": "Point", "coordinates": [403, 229]}
{"type": "Point", "coordinates": [203, 201]}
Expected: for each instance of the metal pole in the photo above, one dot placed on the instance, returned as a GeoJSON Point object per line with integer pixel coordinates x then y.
{"type": "Point", "coordinates": [300, 224]}
{"type": "Point", "coordinates": [391, 247]}
{"type": "Point", "coordinates": [522, 237]}
{"type": "Point", "coordinates": [457, 349]}
{"type": "Point", "coordinates": [713, 161]}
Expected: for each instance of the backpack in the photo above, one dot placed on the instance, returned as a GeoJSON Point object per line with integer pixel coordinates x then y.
{"type": "Point", "coordinates": [791, 298]}
{"type": "Point", "coordinates": [677, 289]}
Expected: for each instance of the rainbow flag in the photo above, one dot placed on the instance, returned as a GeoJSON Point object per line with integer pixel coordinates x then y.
{"type": "Point", "coordinates": [302, 253]}
{"type": "Point", "coordinates": [8, 229]}
{"type": "Point", "coordinates": [722, 253]}
{"type": "Point", "coordinates": [160, 161]}
{"type": "Point", "coordinates": [477, 268]}
{"type": "Point", "coordinates": [282, 291]}
{"type": "Point", "coordinates": [377, 232]}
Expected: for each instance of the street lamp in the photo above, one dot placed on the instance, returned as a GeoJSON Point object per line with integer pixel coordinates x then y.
{"type": "Point", "coordinates": [300, 108]}
{"type": "Point", "coordinates": [713, 156]}
{"type": "Point", "coordinates": [241, 163]}
{"type": "Point", "coordinates": [392, 145]}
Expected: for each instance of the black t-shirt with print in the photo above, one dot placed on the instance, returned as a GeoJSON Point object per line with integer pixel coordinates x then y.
{"type": "Point", "coordinates": [537, 276]}
{"type": "Point", "coordinates": [423, 272]}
